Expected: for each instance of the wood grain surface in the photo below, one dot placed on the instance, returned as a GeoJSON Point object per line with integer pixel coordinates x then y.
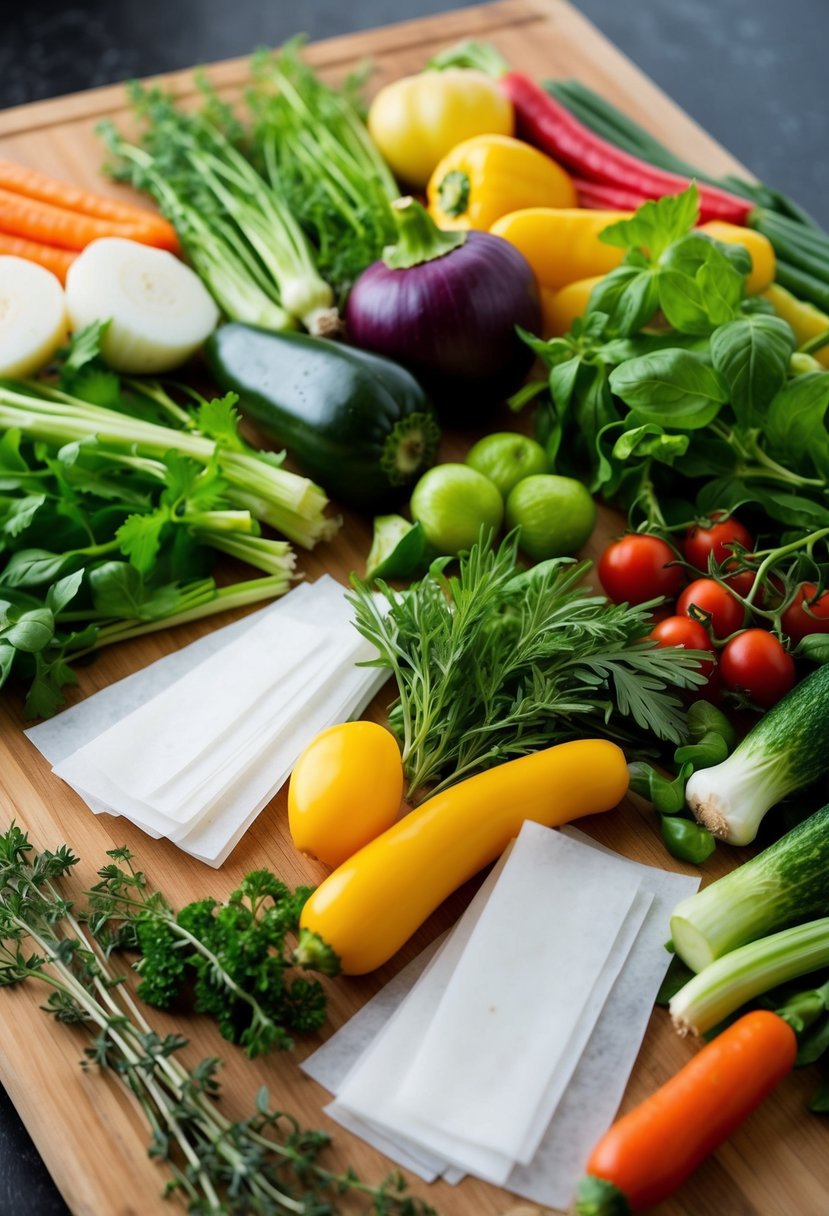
{"type": "Point", "coordinates": [87, 1130]}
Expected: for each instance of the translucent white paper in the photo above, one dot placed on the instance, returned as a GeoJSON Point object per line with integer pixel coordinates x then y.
{"type": "Point", "coordinates": [324, 694]}
{"type": "Point", "coordinates": [592, 1097]}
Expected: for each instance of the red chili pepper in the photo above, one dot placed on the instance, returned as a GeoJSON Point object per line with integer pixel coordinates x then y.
{"type": "Point", "coordinates": [651, 1150]}
{"type": "Point", "coordinates": [604, 196]}
{"type": "Point", "coordinates": [549, 125]}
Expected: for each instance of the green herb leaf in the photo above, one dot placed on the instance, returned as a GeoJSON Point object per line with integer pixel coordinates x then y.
{"type": "Point", "coordinates": [673, 388]}
{"type": "Point", "coordinates": [795, 428]}
{"type": "Point", "coordinates": [649, 440]}
{"type": "Point", "coordinates": [33, 567]}
{"type": "Point", "coordinates": [219, 419]}
{"type": "Point", "coordinates": [752, 354]}
{"type": "Point", "coordinates": [629, 295]}
{"type": "Point", "coordinates": [656, 224]}
{"type": "Point", "coordinates": [32, 631]}
{"type": "Point", "coordinates": [62, 592]}
{"type": "Point", "coordinates": [139, 538]}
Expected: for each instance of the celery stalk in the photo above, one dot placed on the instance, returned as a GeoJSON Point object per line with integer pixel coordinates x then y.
{"type": "Point", "coordinates": [729, 982]}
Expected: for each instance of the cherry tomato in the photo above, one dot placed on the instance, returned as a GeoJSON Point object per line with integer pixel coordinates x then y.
{"type": "Point", "coordinates": [687, 633]}
{"type": "Point", "coordinates": [636, 568]}
{"type": "Point", "coordinates": [803, 617]}
{"type": "Point", "coordinates": [709, 596]}
{"type": "Point", "coordinates": [755, 663]}
{"type": "Point", "coordinates": [699, 542]}
{"type": "Point", "coordinates": [743, 581]}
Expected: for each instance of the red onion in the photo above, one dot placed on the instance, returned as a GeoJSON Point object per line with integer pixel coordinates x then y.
{"type": "Point", "coordinates": [445, 305]}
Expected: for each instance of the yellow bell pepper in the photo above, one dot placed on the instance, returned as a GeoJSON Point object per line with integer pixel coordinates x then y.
{"type": "Point", "coordinates": [562, 245]}
{"type": "Point", "coordinates": [807, 321]}
{"type": "Point", "coordinates": [376, 900]}
{"type": "Point", "coordinates": [488, 176]}
{"type": "Point", "coordinates": [559, 309]}
{"type": "Point", "coordinates": [418, 119]}
{"type": "Point", "coordinates": [759, 247]}
{"type": "Point", "coordinates": [332, 809]}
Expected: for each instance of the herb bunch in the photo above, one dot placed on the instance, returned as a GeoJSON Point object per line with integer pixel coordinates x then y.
{"type": "Point", "coordinates": [233, 956]}
{"type": "Point", "coordinates": [676, 395]}
{"type": "Point", "coordinates": [310, 141]}
{"type": "Point", "coordinates": [114, 502]}
{"type": "Point", "coordinates": [265, 1164]}
{"type": "Point", "coordinates": [495, 662]}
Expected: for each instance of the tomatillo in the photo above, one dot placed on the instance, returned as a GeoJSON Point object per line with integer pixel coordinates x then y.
{"type": "Point", "coordinates": [453, 503]}
{"type": "Point", "coordinates": [555, 514]}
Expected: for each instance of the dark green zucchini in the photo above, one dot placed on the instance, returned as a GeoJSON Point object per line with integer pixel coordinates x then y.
{"type": "Point", "coordinates": [356, 423]}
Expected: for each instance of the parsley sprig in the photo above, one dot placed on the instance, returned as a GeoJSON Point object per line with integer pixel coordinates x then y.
{"type": "Point", "coordinates": [267, 1163]}
{"type": "Point", "coordinates": [494, 662]}
{"type": "Point", "coordinates": [234, 954]}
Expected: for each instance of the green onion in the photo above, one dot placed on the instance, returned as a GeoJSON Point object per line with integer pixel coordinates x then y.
{"type": "Point", "coordinates": [745, 973]}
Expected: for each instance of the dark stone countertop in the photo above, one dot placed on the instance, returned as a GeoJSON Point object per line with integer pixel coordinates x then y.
{"type": "Point", "coordinates": [749, 71]}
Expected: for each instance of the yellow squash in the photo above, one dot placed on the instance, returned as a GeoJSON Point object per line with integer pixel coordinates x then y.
{"type": "Point", "coordinates": [807, 321]}
{"type": "Point", "coordinates": [376, 900]}
{"type": "Point", "coordinates": [346, 788]}
{"type": "Point", "coordinates": [562, 244]}
{"type": "Point", "coordinates": [488, 176]}
{"type": "Point", "coordinates": [418, 119]}
{"type": "Point", "coordinates": [559, 309]}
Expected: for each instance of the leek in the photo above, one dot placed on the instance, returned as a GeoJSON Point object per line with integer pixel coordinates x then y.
{"type": "Point", "coordinates": [786, 883]}
{"type": "Point", "coordinates": [745, 973]}
{"type": "Point", "coordinates": [785, 751]}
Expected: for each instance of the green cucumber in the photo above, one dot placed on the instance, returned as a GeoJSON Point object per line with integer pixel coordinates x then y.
{"type": "Point", "coordinates": [785, 751]}
{"type": "Point", "coordinates": [357, 423]}
{"type": "Point", "coordinates": [786, 884]}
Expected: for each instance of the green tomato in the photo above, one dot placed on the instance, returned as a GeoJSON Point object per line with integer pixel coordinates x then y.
{"type": "Point", "coordinates": [506, 457]}
{"type": "Point", "coordinates": [555, 514]}
{"type": "Point", "coordinates": [452, 503]}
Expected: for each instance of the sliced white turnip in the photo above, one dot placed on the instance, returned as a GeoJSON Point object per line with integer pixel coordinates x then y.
{"type": "Point", "coordinates": [33, 322]}
{"type": "Point", "coordinates": [158, 309]}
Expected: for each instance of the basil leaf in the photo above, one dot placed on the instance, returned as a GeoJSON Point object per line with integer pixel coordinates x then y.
{"type": "Point", "coordinates": [795, 429]}
{"type": "Point", "coordinates": [656, 224]}
{"type": "Point", "coordinates": [63, 591]}
{"type": "Point", "coordinates": [20, 513]}
{"type": "Point", "coordinates": [32, 631]}
{"type": "Point", "coordinates": [563, 381]}
{"type": "Point", "coordinates": [699, 287]}
{"type": "Point", "coordinates": [629, 296]}
{"type": "Point", "coordinates": [117, 590]}
{"type": "Point", "coordinates": [7, 653]}
{"type": "Point", "coordinates": [681, 300]}
{"type": "Point", "coordinates": [31, 567]}
{"type": "Point", "coordinates": [673, 387]}
{"type": "Point", "coordinates": [650, 440]}
{"type": "Point", "coordinates": [815, 646]}
{"type": "Point", "coordinates": [752, 354]}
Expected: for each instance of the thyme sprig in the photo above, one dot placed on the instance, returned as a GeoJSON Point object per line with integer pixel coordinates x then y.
{"type": "Point", "coordinates": [264, 1165]}
{"type": "Point", "coordinates": [495, 662]}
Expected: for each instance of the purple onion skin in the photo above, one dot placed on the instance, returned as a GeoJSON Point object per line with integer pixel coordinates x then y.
{"type": "Point", "coordinates": [451, 321]}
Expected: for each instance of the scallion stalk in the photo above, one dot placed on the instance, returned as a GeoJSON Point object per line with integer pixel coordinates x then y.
{"type": "Point", "coordinates": [745, 973]}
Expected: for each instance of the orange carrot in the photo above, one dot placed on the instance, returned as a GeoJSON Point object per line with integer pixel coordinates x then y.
{"type": "Point", "coordinates": [652, 1149]}
{"type": "Point", "coordinates": [20, 179]}
{"type": "Point", "coordinates": [28, 217]}
{"type": "Point", "coordinates": [56, 260]}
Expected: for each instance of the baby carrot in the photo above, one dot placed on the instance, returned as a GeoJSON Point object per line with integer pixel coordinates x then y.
{"type": "Point", "coordinates": [20, 179]}
{"type": "Point", "coordinates": [56, 260]}
{"type": "Point", "coordinates": [650, 1151]}
{"type": "Point", "coordinates": [37, 221]}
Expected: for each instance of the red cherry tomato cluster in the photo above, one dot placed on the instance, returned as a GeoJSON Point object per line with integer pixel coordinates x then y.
{"type": "Point", "coordinates": [751, 661]}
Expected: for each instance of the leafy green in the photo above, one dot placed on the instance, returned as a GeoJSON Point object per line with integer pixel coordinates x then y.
{"type": "Point", "coordinates": [677, 397]}
{"type": "Point", "coordinates": [264, 1163]}
{"type": "Point", "coordinates": [493, 663]}
{"type": "Point", "coordinates": [102, 536]}
{"type": "Point", "coordinates": [232, 957]}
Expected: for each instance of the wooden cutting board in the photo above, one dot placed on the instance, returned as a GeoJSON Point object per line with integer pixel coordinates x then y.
{"type": "Point", "coordinates": [89, 1133]}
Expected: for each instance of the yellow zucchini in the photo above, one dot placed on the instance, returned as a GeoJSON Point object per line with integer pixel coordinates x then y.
{"type": "Point", "coordinates": [368, 907]}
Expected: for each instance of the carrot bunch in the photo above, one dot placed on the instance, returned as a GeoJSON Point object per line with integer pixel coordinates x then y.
{"type": "Point", "coordinates": [49, 221]}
